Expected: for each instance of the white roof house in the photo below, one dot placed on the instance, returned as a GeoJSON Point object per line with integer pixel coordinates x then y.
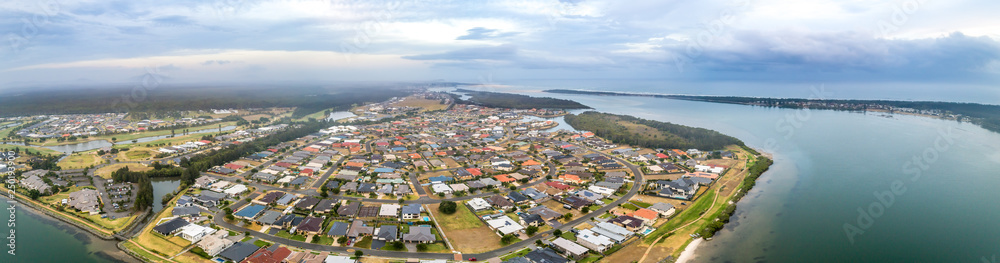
{"type": "Point", "coordinates": [236, 190]}
{"type": "Point", "coordinates": [709, 169]}
{"type": "Point", "coordinates": [612, 231]}
{"type": "Point", "coordinates": [195, 232]}
{"type": "Point", "coordinates": [504, 225]}
{"type": "Point", "coordinates": [478, 204]}
{"type": "Point", "coordinates": [441, 188]}
{"type": "Point", "coordinates": [338, 259]}
{"type": "Point", "coordinates": [593, 241]}
{"type": "Point", "coordinates": [389, 210]}
{"type": "Point", "coordinates": [601, 190]}
{"type": "Point", "coordinates": [569, 247]}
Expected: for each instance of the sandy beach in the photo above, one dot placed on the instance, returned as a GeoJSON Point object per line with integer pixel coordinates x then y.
{"type": "Point", "coordinates": [688, 253]}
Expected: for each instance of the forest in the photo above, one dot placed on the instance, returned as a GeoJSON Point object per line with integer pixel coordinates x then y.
{"type": "Point", "coordinates": [987, 116]}
{"type": "Point", "coordinates": [517, 101]}
{"type": "Point", "coordinates": [625, 129]}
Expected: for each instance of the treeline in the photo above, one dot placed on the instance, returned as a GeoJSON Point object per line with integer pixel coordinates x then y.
{"type": "Point", "coordinates": [759, 167]}
{"type": "Point", "coordinates": [516, 101]}
{"type": "Point", "coordinates": [672, 136]}
{"type": "Point", "coordinates": [161, 101]}
{"type": "Point", "coordinates": [144, 194]}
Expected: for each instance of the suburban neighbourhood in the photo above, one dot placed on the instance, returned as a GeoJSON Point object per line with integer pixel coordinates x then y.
{"type": "Point", "coordinates": [419, 178]}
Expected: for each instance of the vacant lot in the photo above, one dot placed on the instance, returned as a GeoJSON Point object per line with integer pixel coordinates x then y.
{"type": "Point", "coordinates": [427, 105]}
{"type": "Point", "coordinates": [105, 172]}
{"type": "Point", "coordinates": [80, 160]}
{"type": "Point", "coordinates": [465, 231]}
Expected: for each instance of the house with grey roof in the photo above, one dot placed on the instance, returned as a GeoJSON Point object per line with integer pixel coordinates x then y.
{"type": "Point", "coordinates": [86, 200]}
{"type": "Point", "coordinates": [338, 229]}
{"type": "Point", "coordinates": [387, 233]}
{"type": "Point", "coordinates": [411, 211]}
{"type": "Point", "coordinates": [419, 234]}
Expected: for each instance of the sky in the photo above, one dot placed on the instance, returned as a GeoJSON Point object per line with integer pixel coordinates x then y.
{"type": "Point", "coordinates": [67, 42]}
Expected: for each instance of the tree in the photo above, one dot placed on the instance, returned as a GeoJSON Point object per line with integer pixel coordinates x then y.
{"type": "Point", "coordinates": [448, 207]}
{"type": "Point", "coordinates": [398, 245]}
{"type": "Point", "coordinates": [507, 239]}
{"type": "Point", "coordinates": [421, 247]}
{"type": "Point", "coordinates": [342, 240]}
{"type": "Point", "coordinates": [585, 209]}
{"type": "Point", "coordinates": [568, 216]}
{"type": "Point", "coordinates": [358, 253]}
{"type": "Point", "coordinates": [531, 230]}
{"type": "Point", "coordinates": [557, 232]}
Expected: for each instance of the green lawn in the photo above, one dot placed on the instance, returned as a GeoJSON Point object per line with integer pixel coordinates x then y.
{"type": "Point", "coordinates": [323, 240]}
{"type": "Point", "coordinates": [29, 149]}
{"type": "Point", "coordinates": [589, 259]}
{"type": "Point", "coordinates": [461, 219]}
{"type": "Point", "coordinates": [365, 242]}
{"type": "Point", "coordinates": [569, 235]}
{"type": "Point", "coordinates": [284, 234]}
{"type": "Point", "coordinates": [261, 243]}
{"type": "Point", "coordinates": [436, 248]}
{"type": "Point", "coordinates": [642, 204]}
{"type": "Point", "coordinates": [688, 214]}
{"type": "Point", "coordinates": [630, 206]}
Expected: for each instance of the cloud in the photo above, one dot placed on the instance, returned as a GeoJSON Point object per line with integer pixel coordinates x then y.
{"type": "Point", "coordinates": [219, 62]}
{"type": "Point", "coordinates": [500, 52]}
{"type": "Point", "coordinates": [478, 33]}
{"type": "Point", "coordinates": [764, 40]}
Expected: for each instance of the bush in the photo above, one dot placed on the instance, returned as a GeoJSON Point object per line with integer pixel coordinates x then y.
{"type": "Point", "coordinates": [448, 207]}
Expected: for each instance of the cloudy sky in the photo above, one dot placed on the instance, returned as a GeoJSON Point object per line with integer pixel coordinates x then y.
{"type": "Point", "coordinates": [204, 41]}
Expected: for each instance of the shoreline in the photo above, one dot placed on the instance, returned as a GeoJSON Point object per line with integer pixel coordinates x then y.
{"type": "Point", "coordinates": [689, 251]}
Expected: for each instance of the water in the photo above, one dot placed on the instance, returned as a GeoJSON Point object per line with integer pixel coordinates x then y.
{"type": "Point", "coordinates": [829, 164]}
{"type": "Point", "coordinates": [340, 115]}
{"type": "Point", "coordinates": [561, 121]}
{"type": "Point", "coordinates": [97, 144]}
{"type": "Point", "coordinates": [162, 186]}
{"type": "Point", "coordinates": [42, 239]}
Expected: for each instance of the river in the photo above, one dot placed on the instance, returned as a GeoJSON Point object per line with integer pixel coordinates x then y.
{"type": "Point", "coordinates": [832, 168]}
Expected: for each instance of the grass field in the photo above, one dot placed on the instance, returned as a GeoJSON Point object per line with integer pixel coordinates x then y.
{"type": "Point", "coordinates": [167, 246]}
{"type": "Point", "coordinates": [365, 242]}
{"type": "Point", "coordinates": [43, 151]}
{"type": "Point", "coordinates": [80, 160]}
{"type": "Point", "coordinates": [137, 135]}
{"type": "Point", "coordinates": [427, 105]}
{"type": "Point", "coordinates": [105, 172]}
{"type": "Point", "coordinates": [465, 231]}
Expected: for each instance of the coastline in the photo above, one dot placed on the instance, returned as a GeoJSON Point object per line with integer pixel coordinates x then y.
{"type": "Point", "coordinates": [689, 251]}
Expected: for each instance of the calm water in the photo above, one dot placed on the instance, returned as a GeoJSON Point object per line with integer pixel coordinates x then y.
{"type": "Point", "coordinates": [162, 186]}
{"type": "Point", "coordinates": [828, 165]}
{"type": "Point", "coordinates": [42, 239]}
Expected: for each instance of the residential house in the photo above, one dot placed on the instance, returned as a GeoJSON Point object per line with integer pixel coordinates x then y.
{"type": "Point", "coordinates": [664, 209]}
{"type": "Point", "coordinates": [419, 234]}
{"type": "Point", "coordinates": [411, 211]}
{"type": "Point", "coordinates": [570, 248]}
{"type": "Point", "coordinates": [387, 233]}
